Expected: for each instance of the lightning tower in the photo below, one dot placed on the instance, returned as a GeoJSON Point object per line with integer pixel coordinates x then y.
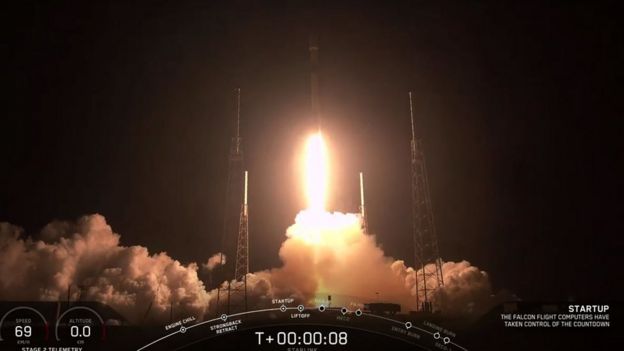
{"type": "Point", "coordinates": [427, 261]}
{"type": "Point", "coordinates": [242, 252]}
{"type": "Point", "coordinates": [242, 248]}
{"type": "Point", "coordinates": [234, 219]}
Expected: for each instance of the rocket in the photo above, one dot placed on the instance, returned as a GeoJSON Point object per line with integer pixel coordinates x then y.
{"type": "Point", "coordinates": [314, 81]}
{"type": "Point", "coordinates": [362, 210]}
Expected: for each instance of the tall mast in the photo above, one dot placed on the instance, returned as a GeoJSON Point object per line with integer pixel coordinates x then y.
{"type": "Point", "coordinates": [238, 138]}
{"type": "Point", "coordinates": [427, 261]}
{"type": "Point", "coordinates": [234, 200]}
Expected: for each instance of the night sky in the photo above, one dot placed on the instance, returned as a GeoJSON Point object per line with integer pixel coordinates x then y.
{"type": "Point", "coordinates": [126, 110]}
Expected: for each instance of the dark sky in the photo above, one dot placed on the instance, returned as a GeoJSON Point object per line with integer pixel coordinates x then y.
{"type": "Point", "coordinates": [126, 110]}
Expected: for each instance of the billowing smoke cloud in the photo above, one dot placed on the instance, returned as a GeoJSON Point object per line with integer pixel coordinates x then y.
{"type": "Point", "coordinates": [87, 256]}
{"type": "Point", "coordinates": [323, 254]}
{"type": "Point", "coordinates": [466, 289]}
{"type": "Point", "coordinates": [214, 260]}
{"type": "Point", "coordinates": [328, 254]}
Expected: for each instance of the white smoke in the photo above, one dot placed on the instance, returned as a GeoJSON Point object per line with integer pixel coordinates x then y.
{"type": "Point", "coordinates": [214, 260]}
{"type": "Point", "coordinates": [328, 254]}
{"type": "Point", "coordinates": [323, 254]}
{"type": "Point", "coordinates": [466, 289]}
{"type": "Point", "coordinates": [128, 279]}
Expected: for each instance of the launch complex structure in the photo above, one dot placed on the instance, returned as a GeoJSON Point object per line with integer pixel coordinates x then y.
{"type": "Point", "coordinates": [235, 241]}
{"type": "Point", "coordinates": [236, 225]}
{"type": "Point", "coordinates": [427, 262]}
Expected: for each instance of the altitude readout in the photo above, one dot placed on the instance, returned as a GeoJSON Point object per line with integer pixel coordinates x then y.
{"type": "Point", "coordinates": [291, 338]}
{"type": "Point", "coordinates": [80, 325]}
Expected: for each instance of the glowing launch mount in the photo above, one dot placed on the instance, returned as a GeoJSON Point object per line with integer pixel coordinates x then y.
{"type": "Point", "coordinates": [423, 228]}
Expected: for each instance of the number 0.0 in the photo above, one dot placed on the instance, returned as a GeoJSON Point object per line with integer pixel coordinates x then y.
{"type": "Point", "coordinates": [25, 331]}
{"type": "Point", "coordinates": [74, 331]}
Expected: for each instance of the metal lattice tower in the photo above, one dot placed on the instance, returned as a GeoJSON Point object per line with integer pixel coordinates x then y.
{"type": "Point", "coordinates": [427, 261]}
{"type": "Point", "coordinates": [242, 248]}
{"type": "Point", "coordinates": [237, 289]}
{"type": "Point", "coordinates": [232, 216]}
{"type": "Point", "coordinates": [233, 199]}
